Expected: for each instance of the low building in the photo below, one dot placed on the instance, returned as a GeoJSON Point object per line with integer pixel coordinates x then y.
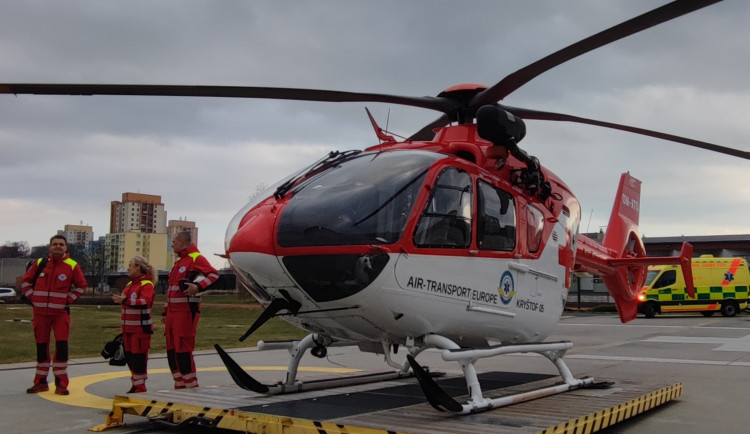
{"type": "Point", "coordinates": [717, 245]}
{"type": "Point", "coordinates": [11, 271]}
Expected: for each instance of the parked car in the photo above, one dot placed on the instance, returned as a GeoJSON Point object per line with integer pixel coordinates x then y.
{"type": "Point", "coordinates": [7, 295]}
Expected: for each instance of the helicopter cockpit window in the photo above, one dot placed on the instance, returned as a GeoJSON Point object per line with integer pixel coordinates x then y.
{"type": "Point", "coordinates": [496, 225]}
{"type": "Point", "coordinates": [446, 220]}
{"type": "Point", "coordinates": [365, 199]}
{"type": "Point", "coordinates": [535, 228]}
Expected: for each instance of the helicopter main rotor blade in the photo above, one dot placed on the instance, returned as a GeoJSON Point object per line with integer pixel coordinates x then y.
{"type": "Point", "coordinates": [549, 116]}
{"type": "Point", "coordinates": [429, 102]}
{"type": "Point", "coordinates": [512, 82]}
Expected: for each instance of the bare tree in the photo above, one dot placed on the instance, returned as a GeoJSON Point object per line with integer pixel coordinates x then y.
{"type": "Point", "coordinates": [79, 254]}
{"type": "Point", "coordinates": [15, 249]}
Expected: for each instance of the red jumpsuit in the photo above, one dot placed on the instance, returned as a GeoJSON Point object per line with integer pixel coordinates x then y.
{"type": "Point", "coordinates": [59, 284]}
{"type": "Point", "coordinates": [137, 328]}
{"type": "Point", "coordinates": [183, 312]}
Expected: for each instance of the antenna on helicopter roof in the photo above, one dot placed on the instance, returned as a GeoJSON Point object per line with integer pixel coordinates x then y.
{"type": "Point", "coordinates": [382, 134]}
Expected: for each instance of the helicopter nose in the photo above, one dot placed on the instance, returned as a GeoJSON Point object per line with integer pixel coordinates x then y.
{"type": "Point", "coordinates": [255, 232]}
{"type": "Point", "coordinates": [250, 250]}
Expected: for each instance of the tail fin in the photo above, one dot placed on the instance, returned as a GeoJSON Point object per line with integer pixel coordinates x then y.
{"type": "Point", "coordinates": [621, 258]}
{"type": "Point", "coordinates": [624, 239]}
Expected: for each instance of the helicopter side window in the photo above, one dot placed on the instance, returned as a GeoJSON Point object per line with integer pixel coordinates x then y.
{"type": "Point", "coordinates": [496, 219]}
{"type": "Point", "coordinates": [667, 278]}
{"type": "Point", "coordinates": [446, 220]}
{"type": "Point", "coordinates": [535, 228]}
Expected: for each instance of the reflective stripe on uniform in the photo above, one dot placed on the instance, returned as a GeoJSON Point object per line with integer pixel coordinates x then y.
{"type": "Point", "coordinates": [136, 311]}
{"type": "Point", "coordinates": [137, 323]}
{"type": "Point", "coordinates": [51, 294]}
{"type": "Point", "coordinates": [50, 305]}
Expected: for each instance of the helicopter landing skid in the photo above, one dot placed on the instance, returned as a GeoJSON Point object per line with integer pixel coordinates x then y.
{"type": "Point", "coordinates": [291, 384]}
{"type": "Point", "coordinates": [441, 401]}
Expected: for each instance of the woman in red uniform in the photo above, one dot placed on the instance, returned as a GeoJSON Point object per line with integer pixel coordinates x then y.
{"type": "Point", "coordinates": [137, 327]}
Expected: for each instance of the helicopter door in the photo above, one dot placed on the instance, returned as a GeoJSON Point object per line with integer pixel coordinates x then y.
{"type": "Point", "coordinates": [496, 219]}
{"type": "Point", "coordinates": [446, 219]}
{"type": "Point", "coordinates": [496, 231]}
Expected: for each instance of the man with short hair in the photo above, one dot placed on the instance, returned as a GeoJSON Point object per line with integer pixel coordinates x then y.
{"type": "Point", "coordinates": [52, 284]}
{"type": "Point", "coordinates": [190, 276]}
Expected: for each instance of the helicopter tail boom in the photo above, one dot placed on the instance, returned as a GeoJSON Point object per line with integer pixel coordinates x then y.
{"type": "Point", "coordinates": [621, 258]}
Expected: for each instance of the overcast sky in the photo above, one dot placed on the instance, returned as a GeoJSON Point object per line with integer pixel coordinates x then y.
{"type": "Point", "coordinates": [65, 158]}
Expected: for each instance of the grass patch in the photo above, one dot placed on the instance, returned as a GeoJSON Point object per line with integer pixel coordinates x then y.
{"type": "Point", "coordinates": [93, 325]}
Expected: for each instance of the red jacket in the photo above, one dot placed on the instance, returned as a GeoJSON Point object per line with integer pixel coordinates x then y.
{"type": "Point", "coordinates": [136, 306]}
{"type": "Point", "coordinates": [194, 267]}
{"type": "Point", "coordinates": [60, 283]}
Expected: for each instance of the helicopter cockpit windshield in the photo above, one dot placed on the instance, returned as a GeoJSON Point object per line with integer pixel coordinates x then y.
{"type": "Point", "coordinates": [364, 199]}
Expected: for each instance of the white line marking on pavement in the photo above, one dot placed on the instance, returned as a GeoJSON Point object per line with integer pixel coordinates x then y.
{"type": "Point", "coordinates": [726, 344]}
{"type": "Point", "coordinates": [657, 360]}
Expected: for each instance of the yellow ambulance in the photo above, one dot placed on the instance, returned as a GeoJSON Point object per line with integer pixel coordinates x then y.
{"type": "Point", "coordinates": [721, 284]}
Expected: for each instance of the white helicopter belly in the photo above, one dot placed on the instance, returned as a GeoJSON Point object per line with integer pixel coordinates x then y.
{"type": "Point", "coordinates": [500, 299]}
{"type": "Point", "coordinates": [476, 301]}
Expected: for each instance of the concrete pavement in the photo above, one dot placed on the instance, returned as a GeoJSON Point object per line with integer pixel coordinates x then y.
{"type": "Point", "coordinates": [709, 356]}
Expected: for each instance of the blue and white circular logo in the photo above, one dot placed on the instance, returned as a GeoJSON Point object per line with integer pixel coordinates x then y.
{"type": "Point", "coordinates": [182, 269]}
{"type": "Point", "coordinates": [506, 288]}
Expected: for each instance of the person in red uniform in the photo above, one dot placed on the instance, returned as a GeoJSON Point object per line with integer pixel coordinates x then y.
{"type": "Point", "coordinates": [137, 326]}
{"type": "Point", "coordinates": [52, 284]}
{"type": "Point", "coordinates": [190, 276]}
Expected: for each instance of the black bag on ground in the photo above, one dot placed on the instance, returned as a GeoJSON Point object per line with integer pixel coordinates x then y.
{"type": "Point", "coordinates": [115, 352]}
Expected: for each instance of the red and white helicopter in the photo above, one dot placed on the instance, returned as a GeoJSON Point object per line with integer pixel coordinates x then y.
{"type": "Point", "coordinates": [454, 239]}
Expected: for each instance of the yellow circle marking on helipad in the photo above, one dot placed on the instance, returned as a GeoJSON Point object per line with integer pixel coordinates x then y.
{"type": "Point", "coordinates": [80, 398]}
